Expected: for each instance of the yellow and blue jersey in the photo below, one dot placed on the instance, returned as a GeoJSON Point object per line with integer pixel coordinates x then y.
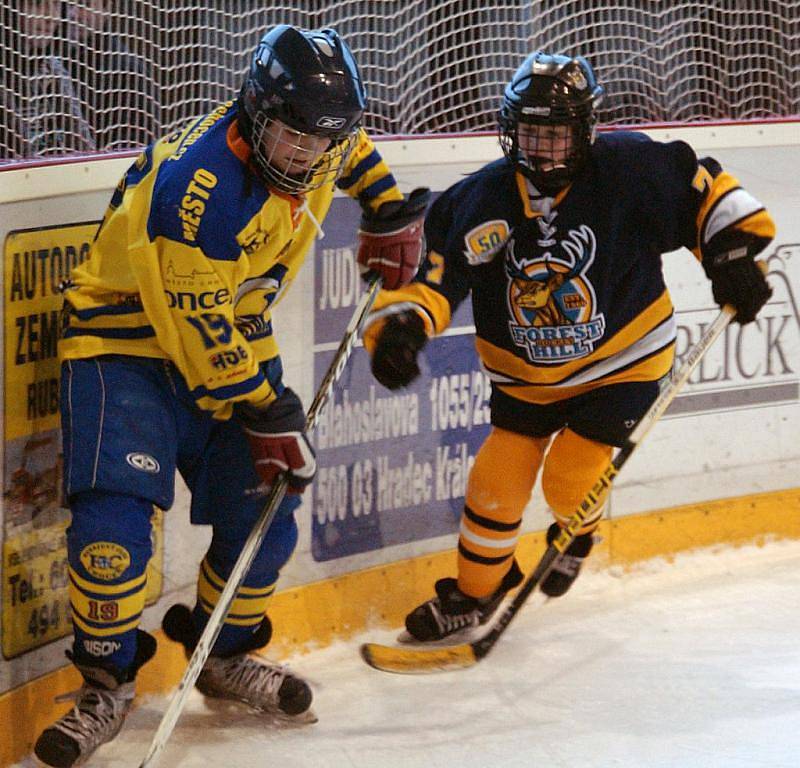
{"type": "Point", "coordinates": [193, 254]}
{"type": "Point", "coordinates": [568, 293]}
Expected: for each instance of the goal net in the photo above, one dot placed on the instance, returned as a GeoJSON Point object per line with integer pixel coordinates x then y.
{"type": "Point", "coordinates": [91, 75]}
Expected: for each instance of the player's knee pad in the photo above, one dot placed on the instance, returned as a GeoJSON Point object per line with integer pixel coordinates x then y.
{"type": "Point", "coordinates": [117, 416]}
{"type": "Point", "coordinates": [499, 487]}
{"type": "Point", "coordinates": [503, 475]}
{"type": "Point", "coordinates": [572, 467]}
{"type": "Point", "coordinates": [109, 538]}
{"type": "Point", "coordinates": [231, 534]}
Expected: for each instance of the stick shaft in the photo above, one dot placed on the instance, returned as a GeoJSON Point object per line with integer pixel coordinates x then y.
{"type": "Point", "coordinates": [568, 533]}
{"type": "Point", "coordinates": [242, 567]}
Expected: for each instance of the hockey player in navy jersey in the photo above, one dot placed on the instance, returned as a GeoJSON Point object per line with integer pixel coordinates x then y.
{"type": "Point", "coordinates": [170, 362]}
{"type": "Point", "coordinates": [559, 245]}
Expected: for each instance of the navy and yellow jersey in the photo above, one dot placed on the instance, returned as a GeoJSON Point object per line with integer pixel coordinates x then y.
{"type": "Point", "coordinates": [571, 296]}
{"type": "Point", "coordinates": [194, 252]}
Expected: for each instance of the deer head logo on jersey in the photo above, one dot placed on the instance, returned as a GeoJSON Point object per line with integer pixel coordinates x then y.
{"type": "Point", "coordinates": [551, 301]}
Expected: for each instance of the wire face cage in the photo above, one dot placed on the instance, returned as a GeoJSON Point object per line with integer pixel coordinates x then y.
{"type": "Point", "coordinates": [90, 75]}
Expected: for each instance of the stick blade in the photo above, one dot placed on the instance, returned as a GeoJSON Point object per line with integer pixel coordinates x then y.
{"type": "Point", "coordinates": [418, 661]}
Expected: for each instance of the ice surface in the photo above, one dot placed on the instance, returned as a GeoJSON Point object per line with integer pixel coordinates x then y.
{"type": "Point", "coordinates": [694, 663]}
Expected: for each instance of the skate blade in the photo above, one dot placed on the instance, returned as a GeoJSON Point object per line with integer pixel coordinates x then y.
{"type": "Point", "coordinates": [281, 720]}
{"type": "Point", "coordinates": [272, 717]}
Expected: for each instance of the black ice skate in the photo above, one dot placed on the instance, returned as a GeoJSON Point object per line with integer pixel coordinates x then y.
{"type": "Point", "coordinates": [567, 566]}
{"type": "Point", "coordinates": [262, 685]}
{"type": "Point", "coordinates": [101, 705]}
{"type": "Point", "coordinates": [451, 611]}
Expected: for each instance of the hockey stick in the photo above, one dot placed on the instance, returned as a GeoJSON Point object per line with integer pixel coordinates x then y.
{"type": "Point", "coordinates": [423, 660]}
{"type": "Point", "coordinates": [253, 543]}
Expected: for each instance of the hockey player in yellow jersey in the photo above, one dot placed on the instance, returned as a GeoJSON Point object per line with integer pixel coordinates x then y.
{"type": "Point", "coordinates": [559, 245]}
{"type": "Point", "coordinates": [169, 362]}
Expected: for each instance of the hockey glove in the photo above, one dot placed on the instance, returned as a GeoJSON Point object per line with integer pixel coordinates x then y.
{"type": "Point", "coordinates": [394, 361]}
{"type": "Point", "coordinates": [392, 239]}
{"type": "Point", "coordinates": [739, 281]}
{"type": "Point", "coordinates": [278, 441]}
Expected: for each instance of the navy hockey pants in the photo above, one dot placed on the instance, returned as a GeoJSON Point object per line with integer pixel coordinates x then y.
{"type": "Point", "coordinates": [127, 425]}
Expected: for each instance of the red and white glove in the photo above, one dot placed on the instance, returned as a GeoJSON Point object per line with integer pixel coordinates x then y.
{"type": "Point", "coordinates": [278, 441]}
{"type": "Point", "coordinates": [391, 240]}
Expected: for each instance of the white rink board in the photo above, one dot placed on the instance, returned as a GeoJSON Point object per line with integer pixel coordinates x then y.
{"type": "Point", "coordinates": [736, 450]}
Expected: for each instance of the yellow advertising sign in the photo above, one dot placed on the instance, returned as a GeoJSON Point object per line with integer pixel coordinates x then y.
{"type": "Point", "coordinates": [37, 261]}
{"type": "Point", "coordinates": [35, 605]}
{"type": "Point", "coordinates": [35, 600]}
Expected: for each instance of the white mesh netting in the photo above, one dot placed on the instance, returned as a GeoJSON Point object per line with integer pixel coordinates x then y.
{"type": "Point", "coordinates": [95, 75]}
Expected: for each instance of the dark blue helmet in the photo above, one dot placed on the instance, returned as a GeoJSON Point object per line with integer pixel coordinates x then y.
{"type": "Point", "coordinates": [550, 90]}
{"type": "Point", "coordinates": [308, 81]}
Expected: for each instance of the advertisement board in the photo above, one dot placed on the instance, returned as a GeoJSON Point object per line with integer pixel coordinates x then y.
{"type": "Point", "coordinates": [35, 603]}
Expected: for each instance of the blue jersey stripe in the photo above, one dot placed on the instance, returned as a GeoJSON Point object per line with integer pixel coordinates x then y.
{"type": "Point", "coordinates": [140, 168]}
{"type": "Point", "coordinates": [273, 372]}
{"type": "Point", "coordinates": [109, 309]}
{"type": "Point", "coordinates": [375, 189]}
{"type": "Point", "coordinates": [367, 164]}
{"type": "Point", "coordinates": [142, 332]}
{"type": "Point", "coordinates": [258, 335]}
{"type": "Point", "coordinates": [234, 199]}
{"type": "Point", "coordinates": [231, 390]}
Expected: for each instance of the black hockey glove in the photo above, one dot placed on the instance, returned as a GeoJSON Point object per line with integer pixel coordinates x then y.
{"type": "Point", "coordinates": [739, 281]}
{"type": "Point", "coordinates": [394, 361]}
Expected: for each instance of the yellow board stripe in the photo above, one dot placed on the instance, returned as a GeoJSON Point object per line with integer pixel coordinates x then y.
{"type": "Point", "coordinates": [313, 615]}
{"type": "Point", "coordinates": [106, 589]}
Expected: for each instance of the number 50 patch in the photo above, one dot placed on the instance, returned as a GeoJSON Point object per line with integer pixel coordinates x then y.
{"type": "Point", "coordinates": [485, 241]}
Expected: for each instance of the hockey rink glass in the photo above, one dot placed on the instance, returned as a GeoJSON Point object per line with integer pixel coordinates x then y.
{"type": "Point", "coordinates": [297, 162]}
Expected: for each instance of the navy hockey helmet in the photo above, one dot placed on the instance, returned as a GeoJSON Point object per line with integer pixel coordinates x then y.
{"type": "Point", "coordinates": [545, 92]}
{"type": "Point", "coordinates": [302, 85]}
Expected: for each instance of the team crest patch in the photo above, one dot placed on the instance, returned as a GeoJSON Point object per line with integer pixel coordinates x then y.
{"type": "Point", "coordinates": [552, 303]}
{"type": "Point", "coordinates": [485, 241]}
{"type": "Point", "coordinates": [105, 560]}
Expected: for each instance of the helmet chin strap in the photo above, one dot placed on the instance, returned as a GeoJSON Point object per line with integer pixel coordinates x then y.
{"type": "Point", "coordinates": [538, 179]}
{"type": "Point", "coordinates": [548, 189]}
